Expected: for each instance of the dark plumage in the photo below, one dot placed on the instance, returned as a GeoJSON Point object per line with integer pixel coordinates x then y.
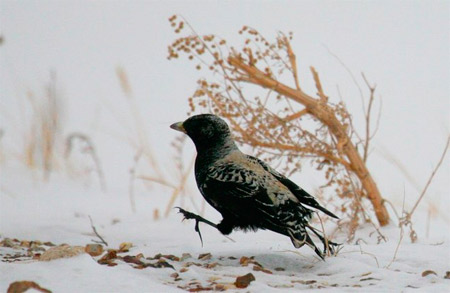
{"type": "Point", "coordinates": [248, 193]}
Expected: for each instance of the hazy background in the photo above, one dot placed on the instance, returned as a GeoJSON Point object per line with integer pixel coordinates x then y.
{"type": "Point", "coordinates": [403, 47]}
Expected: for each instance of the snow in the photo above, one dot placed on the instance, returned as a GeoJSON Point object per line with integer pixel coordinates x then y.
{"type": "Point", "coordinates": [58, 212]}
{"type": "Point", "coordinates": [401, 46]}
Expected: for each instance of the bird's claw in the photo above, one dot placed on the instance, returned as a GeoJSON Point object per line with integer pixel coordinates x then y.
{"type": "Point", "coordinates": [188, 216]}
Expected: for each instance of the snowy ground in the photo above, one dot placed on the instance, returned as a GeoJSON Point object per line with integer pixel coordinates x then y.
{"type": "Point", "coordinates": [85, 42]}
{"type": "Point", "coordinates": [58, 211]}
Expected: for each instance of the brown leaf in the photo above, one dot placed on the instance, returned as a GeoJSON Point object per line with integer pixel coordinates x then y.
{"type": "Point", "coordinates": [125, 246]}
{"type": "Point", "coordinates": [205, 256]}
{"type": "Point", "coordinates": [132, 259]}
{"type": "Point", "coordinates": [244, 281]}
{"type": "Point", "coordinates": [447, 275]}
{"type": "Point", "coordinates": [259, 268]}
{"type": "Point", "coordinates": [94, 249]}
{"type": "Point", "coordinates": [159, 264]}
{"type": "Point", "coordinates": [182, 270]}
{"type": "Point", "coordinates": [185, 256]}
{"type": "Point", "coordinates": [244, 261]}
{"type": "Point", "coordinates": [210, 265]}
{"type": "Point", "coordinates": [108, 257]}
{"type": "Point", "coordinates": [22, 286]}
{"type": "Point", "coordinates": [171, 257]}
{"type": "Point", "coordinates": [428, 272]}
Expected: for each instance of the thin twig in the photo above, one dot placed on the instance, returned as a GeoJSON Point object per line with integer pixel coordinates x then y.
{"type": "Point", "coordinates": [96, 233]}
{"type": "Point", "coordinates": [136, 159]}
{"type": "Point", "coordinates": [368, 253]}
{"type": "Point", "coordinates": [367, 116]}
{"type": "Point", "coordinates": [431, 177]}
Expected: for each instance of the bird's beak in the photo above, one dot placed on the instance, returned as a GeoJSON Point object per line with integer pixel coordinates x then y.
{"type": "Point", "coordinates": [178, 126]}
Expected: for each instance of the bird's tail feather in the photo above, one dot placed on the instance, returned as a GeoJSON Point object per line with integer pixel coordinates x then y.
{"type": "Point", "coordinates": [301, 237]}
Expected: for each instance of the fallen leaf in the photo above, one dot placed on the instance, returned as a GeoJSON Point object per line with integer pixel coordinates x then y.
{"type": "Point", "coordinates": [428, 272]}
{"type": "Point", "coordinates": [7, 242]}
{"type": "Point", "coordinates": [185, 256]}
{"type": "Point", "coordinates": [244, 281]}
{"type": "Point", "coordinates": [244, 261]}
{"type": "Point", "coordinates": [171, 257]}
{"type": "Point", "coordinates": [190, 263]}
{"type": "Point", "coordinates": [108, 257]}
{"type": "Point", "coordinates": [261, 269]}
{"type": "Point", "coordinates": [159, 264]}
{"type": "Point", "coordinates": [210, 265]}
{"type": "Point", "coordinates": [22, 286]}
{"type": "Point", "coordinates": [182, 270]}
{"type": "Point", "coordinates": [447, 275]}
{"type": "Point", "coordinates": [125, 246]}
{"type": "Point", "coordinates": [279, 269]}
{"type": "Point", "coordinates": [94, 249]}
{"type": "Point", "coordinates": [205, 256]}
{"type": "Point", "coordinates": [132, 259]}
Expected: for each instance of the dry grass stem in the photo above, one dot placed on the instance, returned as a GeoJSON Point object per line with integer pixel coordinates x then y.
{"type": "Point", "coordinates": [90, 149]}
{"type": "Point", "coordinates": [133, 169]}
{"type": "Point", "coordinates": [179, 188]}
{"type": "Point", "coordinates": [42, 141]}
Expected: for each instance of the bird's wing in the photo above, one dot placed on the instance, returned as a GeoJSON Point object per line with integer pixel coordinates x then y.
{"type": "Point", "coordinates": [254, 196]}
{"type": "Point", "coordinates": [250, 192]}
{"type": "Point", "coordinates": [303, 196]}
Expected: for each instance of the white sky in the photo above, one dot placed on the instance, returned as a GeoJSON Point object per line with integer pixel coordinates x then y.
{"type": "Point", "coordinates": [402, 46]}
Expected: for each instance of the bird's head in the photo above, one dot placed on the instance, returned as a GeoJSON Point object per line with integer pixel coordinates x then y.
{"type": "Point", "coordinates": [205, 130]}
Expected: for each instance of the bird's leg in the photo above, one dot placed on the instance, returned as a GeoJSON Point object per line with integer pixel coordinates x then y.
{"type": "Point", "coordinates": [188, 215]}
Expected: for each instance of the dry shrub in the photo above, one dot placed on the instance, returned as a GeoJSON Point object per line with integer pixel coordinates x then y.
{"type": "Point", "coordinates": [257, 89]}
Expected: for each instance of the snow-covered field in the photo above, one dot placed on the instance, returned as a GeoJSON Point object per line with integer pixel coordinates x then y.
{"type": "Point", "coordinates": [401, 46]}
{"type": "Point", "coordinates": [58, 212]}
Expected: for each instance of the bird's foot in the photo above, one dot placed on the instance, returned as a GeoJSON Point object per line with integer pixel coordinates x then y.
{"type": "Point", "coordinates": [188, 216]}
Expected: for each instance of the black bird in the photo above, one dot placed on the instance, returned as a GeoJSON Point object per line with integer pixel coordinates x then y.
{"type": "Point", "coordinates": [248, 193]}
